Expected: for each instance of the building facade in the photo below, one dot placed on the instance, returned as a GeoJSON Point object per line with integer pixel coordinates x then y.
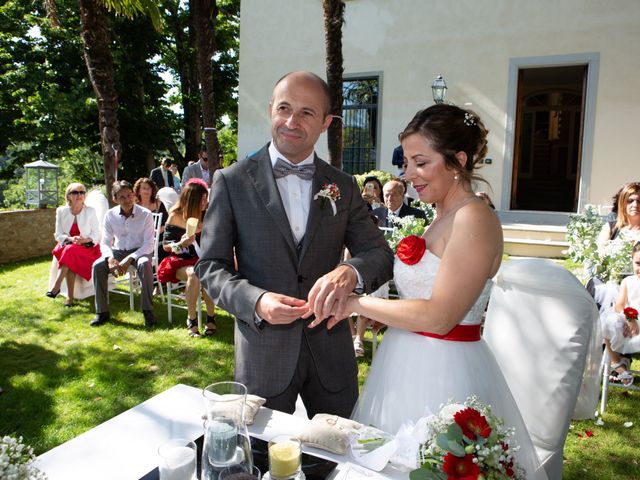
{"type": "Point", "coordinates": [555, 83]}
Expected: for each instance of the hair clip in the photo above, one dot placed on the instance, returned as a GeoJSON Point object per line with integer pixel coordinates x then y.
{"type": "Point", "coordinates": [469, 119]}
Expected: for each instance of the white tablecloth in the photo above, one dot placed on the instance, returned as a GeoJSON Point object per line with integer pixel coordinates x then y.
{"type": "Point", "coordinates": [125, 447]}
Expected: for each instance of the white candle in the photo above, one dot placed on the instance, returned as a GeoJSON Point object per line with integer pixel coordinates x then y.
{"type": "Point", "coordinates": [178, 463]}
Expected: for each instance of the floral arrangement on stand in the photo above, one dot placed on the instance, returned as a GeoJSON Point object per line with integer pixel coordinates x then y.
{"type": "Point", "coordinates": [605, 264]}
{"type": "Point", "coordinates": [466, 442]}
{"type": "Point", "coordinates": [16, 461]}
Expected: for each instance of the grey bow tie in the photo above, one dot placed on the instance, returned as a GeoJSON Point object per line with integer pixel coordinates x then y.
{"type": "Point", "coordinates": [282, 169]}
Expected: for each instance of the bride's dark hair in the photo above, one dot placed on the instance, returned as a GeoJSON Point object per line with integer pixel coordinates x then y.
{"type": "Point", "coordinates": [451, 129]}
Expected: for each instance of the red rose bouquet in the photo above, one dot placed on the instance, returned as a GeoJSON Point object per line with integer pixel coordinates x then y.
{"type": "Point", "coordinates": [630, 314]}
{"type": "Point", "coordinates": [411, 249]}
{"type": "Point", "coordinates": [467, 442]}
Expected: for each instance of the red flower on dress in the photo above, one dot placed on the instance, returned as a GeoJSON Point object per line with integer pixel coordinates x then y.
{"type": "Point", "coordinates": [460, 468]}
{"type": "Point", "coordinates": [411, 249]}
{"type": "Point", "coordinates": [630, 313]}
{"type": "Point", "coordinates": [472, 423]}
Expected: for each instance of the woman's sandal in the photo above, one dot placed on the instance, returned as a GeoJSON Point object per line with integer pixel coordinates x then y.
{"type": "Point", "coordinates": [191, 324]}
{"type": "Point", "coordinates": [358, 348]}
{"type": "Point", "coordinates": [211, 327]}
{"type": "Point", "coordinates": [624, 377]}
{"type": "Point", "coordinates": [52, 294]}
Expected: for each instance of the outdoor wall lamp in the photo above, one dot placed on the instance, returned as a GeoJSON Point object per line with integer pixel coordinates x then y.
{"type": "Point", "coordinates": [439, 89]}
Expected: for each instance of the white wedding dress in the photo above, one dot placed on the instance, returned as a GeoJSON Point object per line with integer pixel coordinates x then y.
{"type": "Point", "coordinates": [413, 375]}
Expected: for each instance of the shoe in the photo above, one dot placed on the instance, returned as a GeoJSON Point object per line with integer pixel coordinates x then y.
{"type": "Point", "coordinates": [52, 294]}
{"type": "Point", "coordinates": [357, 348]}
{"type": "Point", "coordinates": [149, 319]}
{"type": "Point", "coordinates": [191, 324]}
{"type": "Point", "coordinates": [68, 304]}
{"type": "Point", "coordinates": [99, 319]}
{"type": "Point", "coordinates": [211, 328]}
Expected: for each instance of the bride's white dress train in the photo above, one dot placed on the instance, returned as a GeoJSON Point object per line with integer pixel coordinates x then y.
{"type": "Point", "coordinates": [413, 375]}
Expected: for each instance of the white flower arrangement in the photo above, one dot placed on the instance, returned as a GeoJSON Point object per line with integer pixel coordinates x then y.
{"type": "Point", "coordinates": [409, 225]}
{"type": "Point", "coordinates": [329, 192]}
{"type": "Point", "coordinates": [16, 461]}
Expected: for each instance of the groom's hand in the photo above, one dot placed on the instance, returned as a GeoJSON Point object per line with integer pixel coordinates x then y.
{"type": "Point", "coordinates": [278, 309]}
{"type": "Point", "coordinates": [328, 296]}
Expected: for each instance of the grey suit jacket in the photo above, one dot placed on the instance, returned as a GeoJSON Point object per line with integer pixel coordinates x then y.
{"type": "Point", "coordinates": [192, 171]}
{"type": "Point", "coordinates": [246, 216]}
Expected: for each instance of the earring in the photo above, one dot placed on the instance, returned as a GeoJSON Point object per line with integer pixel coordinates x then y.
{"type": "Point", "coordinates": [455, 177]}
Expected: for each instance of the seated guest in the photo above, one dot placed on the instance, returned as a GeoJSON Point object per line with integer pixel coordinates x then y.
{"type": "Point", "coordinates": [162, 175]}
{"type": "Point", "coordinates": [185, 252]}
{"type": "Point", "coordinates": [77, 231]}
{"type": "Point", "coordinates": [127, 238]}
{"type": "Point", "coordinates": [372, 193]}
{"type": "Point", "coordinates": [146, 192]}
{"type": "Point", "coordinates": [393, 194]}
{"type": "Point", "coordinates": [627, 216]}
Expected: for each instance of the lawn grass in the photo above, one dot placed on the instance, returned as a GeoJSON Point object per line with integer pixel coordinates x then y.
{"type": "Point", "coordinates": [61, 377]}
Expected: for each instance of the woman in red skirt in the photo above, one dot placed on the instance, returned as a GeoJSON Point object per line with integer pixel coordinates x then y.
{"type": "Point", "coordinates": [185, 251]}
{"type": "Point", "coordinates": [78, 234]}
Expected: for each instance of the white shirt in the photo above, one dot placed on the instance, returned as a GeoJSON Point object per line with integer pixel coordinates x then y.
{"type": "Point", "coordinates": [134, 232]}
{"type": "Point", "coordinates": [295, 194]}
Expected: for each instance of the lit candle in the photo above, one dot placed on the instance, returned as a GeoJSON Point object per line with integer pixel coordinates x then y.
{"type": "Point", "coordinates": [284, 458]}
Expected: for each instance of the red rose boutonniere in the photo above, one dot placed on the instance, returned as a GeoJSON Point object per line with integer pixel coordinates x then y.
{"type": "Point", "coordinates": [411, 249]}
{"type": "Point", "coordinates": [630, 314]}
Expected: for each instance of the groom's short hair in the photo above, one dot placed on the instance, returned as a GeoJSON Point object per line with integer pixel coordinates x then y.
{"type": "Point", "coordinates": [320, 81]}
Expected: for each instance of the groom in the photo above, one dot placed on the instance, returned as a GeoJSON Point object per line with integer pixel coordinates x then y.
{"type": "Point", "coordinates": [286, 239]}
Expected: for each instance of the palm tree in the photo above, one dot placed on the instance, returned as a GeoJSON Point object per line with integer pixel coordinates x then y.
{"type": "Point", "coordinates": [204, 14]}
{"type": "Point", "coordinates": [333, 20]}
{"type": "Point", "coordinates": [97, 54]}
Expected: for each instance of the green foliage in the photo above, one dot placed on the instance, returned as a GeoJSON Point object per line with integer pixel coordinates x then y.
{"type": "Point", "coordinates": [381, 175]}
{"type": "Point", "coordinates": [606, 263]}
{"type": "Point", "coordinates": [403, 227]}
{"type": "Point", "coordinates": [228, 139]}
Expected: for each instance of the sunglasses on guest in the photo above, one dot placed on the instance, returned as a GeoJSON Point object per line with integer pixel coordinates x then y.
{"type": "Point", "coordinates": [77, 192]}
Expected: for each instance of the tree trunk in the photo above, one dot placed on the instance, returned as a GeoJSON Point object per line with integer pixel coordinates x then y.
{"type": "Point", "coordinates": [205, 13]}
{"type": "Point", "coordinates": [188, 74]}
{"type": "Point", "coordinates": [333, 20]}
{"type": "Point", "coordinates": [97, 55]}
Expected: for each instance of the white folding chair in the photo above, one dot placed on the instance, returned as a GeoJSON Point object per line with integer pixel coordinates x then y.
{"type": "Point", "coordinates": [175, 291]}
{"type": "Point", "coordinates": [542, 326]}
{"type": "Point", "coordinates": [157, 226]}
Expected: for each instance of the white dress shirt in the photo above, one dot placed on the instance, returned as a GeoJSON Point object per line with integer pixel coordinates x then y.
{"type": "Point", "coordinates": [295, 194]}
{"type": "Point", "coordinates": [134, 232]}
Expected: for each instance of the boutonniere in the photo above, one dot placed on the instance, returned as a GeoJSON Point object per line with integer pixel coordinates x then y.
{"type": "Point", "coordinates": [411, 249]}
{"type": "Point", "coordinates": [330, 192]}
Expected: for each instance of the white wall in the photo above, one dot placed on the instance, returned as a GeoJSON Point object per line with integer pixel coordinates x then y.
{"type": "Point", "coordinates": [471, 44]}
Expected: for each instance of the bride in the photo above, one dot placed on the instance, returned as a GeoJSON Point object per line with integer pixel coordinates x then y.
{"type": "Point", "coordinates": [433, 351]}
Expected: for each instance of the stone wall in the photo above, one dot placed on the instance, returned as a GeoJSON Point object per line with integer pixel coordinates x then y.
{"type": "Point", "coordinates": [26, 234]}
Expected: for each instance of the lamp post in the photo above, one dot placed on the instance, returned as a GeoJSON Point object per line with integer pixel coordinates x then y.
{"type": "Point", "coordinates": [41, 183]}
{"type": "Point", "coordinates": [439, 89]}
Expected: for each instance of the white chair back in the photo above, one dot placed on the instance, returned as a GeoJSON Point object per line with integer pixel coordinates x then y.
{"type": "Point", "coordinates": [542, 326]}
{"type": "Point", "coordinates": [168, 197]}
{"type": "Point", "coordinates": [96, 200]}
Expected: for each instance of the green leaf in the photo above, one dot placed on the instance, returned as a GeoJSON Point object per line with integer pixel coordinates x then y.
{"type": "Point", "coordinates": [454, 432]}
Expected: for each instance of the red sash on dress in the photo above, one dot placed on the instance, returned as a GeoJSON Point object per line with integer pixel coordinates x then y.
{"type": "Point", "coordinates": [459, 333]}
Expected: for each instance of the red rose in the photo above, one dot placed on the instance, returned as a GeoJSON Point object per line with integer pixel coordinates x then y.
{"type": "Point", "coordinates": [411, 249]}
{"type": "Point", "coordinates": [629, 313]}
{"type": "Point", "coordinates": [472, 423]}
{"type": "Point", "coordinates": [460, 468]}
